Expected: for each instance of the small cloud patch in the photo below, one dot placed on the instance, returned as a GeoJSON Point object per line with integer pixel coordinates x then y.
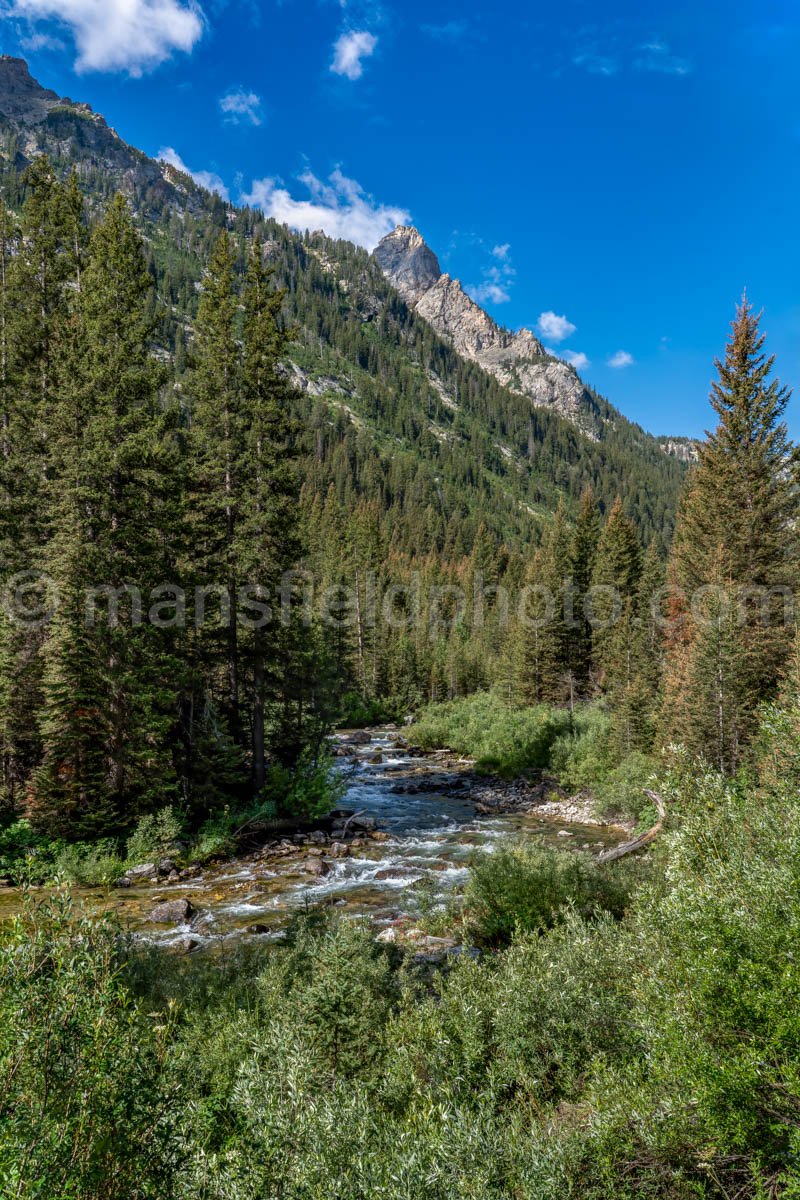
{"type": "Point", "coordinates": [350, 51]}
{"type": "Point", "coordinates": [555, 328]}
{"type": "Point", "coordinates": [242, 107]}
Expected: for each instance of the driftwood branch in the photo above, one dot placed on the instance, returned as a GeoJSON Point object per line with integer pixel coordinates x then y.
{"type": "Point", "coordinates": [644, 839]}
{"type": "Point", "coordinates": [347, 823]}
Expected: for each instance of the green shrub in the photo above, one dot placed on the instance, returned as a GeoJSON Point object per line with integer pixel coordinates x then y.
{"type": "Point", "coordinates": [27, 856]}
{"type": "Point", "coordinates": [86, 1096]}
{"type": "Point", "coordinates": [93, 865]}
{"type": "Point", "coordinates": [154, 836]}
{"type": "Point", "coordinates": [503, 740]}
{"type": "Point", "coordinates": [356, 711]}
{"type": "Point", "coordinates": [527, 888]}
{"type": "Point", "coordinates": [580, 757]}
{"type": "Point", "coordinates": [311, 790]}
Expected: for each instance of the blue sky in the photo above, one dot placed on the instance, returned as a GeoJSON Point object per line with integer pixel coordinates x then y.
{"type": "Point", "coordinates": [618, 172]}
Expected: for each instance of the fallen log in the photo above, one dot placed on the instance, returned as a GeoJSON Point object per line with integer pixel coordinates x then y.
{"type": "Point", "coordinates": [644, 839]}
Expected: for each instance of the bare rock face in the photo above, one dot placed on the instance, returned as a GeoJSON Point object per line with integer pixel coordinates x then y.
{"type": "Point", "coordinates": [21, 97]}
{"type": "Point", "coordinates": [685, 449]}
{"type": "Point", "coordinates": [410, 264]}
{"type": "Point", "coordinates": [518, 360]}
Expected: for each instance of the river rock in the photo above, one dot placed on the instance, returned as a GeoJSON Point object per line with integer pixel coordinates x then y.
{"type": "Point", "coordinates": [364, 824]}
{"type": "Point", "coordinates": [258, 928]}
{"type": "Point", "coordinates": [394, 873]}
{"type": "Point", "coordinates": [316, 866]}
{"type": "Point", "coordinates": [166, 866]}
{"type": "Point", "coordinates": [185, 945]}
{"type": "Point", "coordinates": [379, 835]}
{"type": "Point", "coordinates": [359, 738]}
{"type": "Point", "coordinates": [172, 911]}
{"type": "Point", "coordinates": [340, 850]}
{"type": "Point", "coordinates": [124, 882]}
{"type": "Point", "coordinates": [144, 871]}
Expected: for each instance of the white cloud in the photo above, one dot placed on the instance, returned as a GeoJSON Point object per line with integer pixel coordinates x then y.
{"type": "Point", "coordinates": [488, 293]}
{"type": "Point", "coordinates": [497, 278]}
{"type": "Point", "coordinates": [121, 35]}
{"type": "Point", "coordinates": [621, 359]}
{"type": "Point", "coordinates": [349, 51]}
{"type": "Point", "coordinates": [656, 56]}
{"type": "Point", "coordinates": [575, 358]}
{"type": "Point", "coordinates": [40, 41]}
{"type": "Point", "coordinates": [340, 207]}
{"type": "Point", "coordinates": [240, 107]}
{"type": "Point", "coordinates": [204, 179]}
{"type": "Point", "coordinates": [555, 328]}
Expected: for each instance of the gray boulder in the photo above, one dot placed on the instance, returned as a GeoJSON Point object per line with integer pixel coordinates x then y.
{"type": "Point", "coordinates": [172, 912]}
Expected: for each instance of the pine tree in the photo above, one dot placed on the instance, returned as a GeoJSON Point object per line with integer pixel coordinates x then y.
{"type": "Point", "coordinates": [736, 534]}
{"type": "Point", "coordinates": [582, 560]}
{"type": "Point", "coordinates": [38, 271]}
{"type": "Point", "coordinates": [544, 646]}
{"type": "Point", "coordinates": [109, 701]}
{"type": "Point", "coordinates": [217, 442]}
{"type": "Point", "coordinates": [633, 663]}
{"type": "Point", "coordinates": [615, 580]}
{"type": "Point", "coordinates": [267, 538]}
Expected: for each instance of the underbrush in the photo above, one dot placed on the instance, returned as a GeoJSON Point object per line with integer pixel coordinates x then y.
{"type": "Point", "coordinates": [573, 747]}
{"type": "Point", "coordinates": [617, 1039]}
{"type": "Point", "coordinates": [523, 888]}
{"type": "Point", "coordinates": [503, 741]}
{"type": "Point", "coordinates": [311, 790]}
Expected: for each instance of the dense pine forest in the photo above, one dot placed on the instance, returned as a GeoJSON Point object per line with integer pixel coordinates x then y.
{"type": "Point", "coordinates": [247, 498]}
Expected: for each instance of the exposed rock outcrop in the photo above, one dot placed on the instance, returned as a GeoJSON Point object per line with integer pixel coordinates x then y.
{"type": "Point", "coordinates": [409, 262]}
{"type": "Point", "coordinates": [685, 449]}
{"type": "Point", "coordinates": [518, 360]}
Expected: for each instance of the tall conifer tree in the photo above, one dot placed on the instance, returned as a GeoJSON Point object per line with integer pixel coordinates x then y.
{"type": "Point", "coordinates": [737, 537]}
{"type": "Point", "coordinates": [109, 700]}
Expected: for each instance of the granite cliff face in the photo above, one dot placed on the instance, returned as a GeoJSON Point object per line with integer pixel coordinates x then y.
{"type": "Point", "coordinates": [518, 360]}
{"type": "Point", "coordinates": [409, 262]}
{"type": "Point", "coordinates": [43, 122]}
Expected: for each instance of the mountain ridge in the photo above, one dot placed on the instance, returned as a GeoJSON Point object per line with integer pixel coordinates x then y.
{"type": "Point", "coordinates": [517, 359]}
{"type": "Point", "coordinates": [400, 419]}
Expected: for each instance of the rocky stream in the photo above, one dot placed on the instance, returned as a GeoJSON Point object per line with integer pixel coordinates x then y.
{"type": "Point", "coordinates": [409, 825]}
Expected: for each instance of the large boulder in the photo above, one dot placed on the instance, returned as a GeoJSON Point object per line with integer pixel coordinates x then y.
{"type": "Point", "coordinates": [172, 912]}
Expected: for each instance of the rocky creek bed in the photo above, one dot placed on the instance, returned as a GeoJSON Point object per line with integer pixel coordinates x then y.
{"type": "Point", "coordinates": [409, 821]}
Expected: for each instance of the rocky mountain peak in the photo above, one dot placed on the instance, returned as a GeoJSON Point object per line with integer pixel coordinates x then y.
{"type": "Point", "coordinates": [516, 359]}
{"type": "Point", "coordinates": [22, 99]}
{"type": "Point", "coordinates": [406, 259]}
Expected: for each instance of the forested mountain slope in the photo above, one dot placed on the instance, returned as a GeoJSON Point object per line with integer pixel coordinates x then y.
{"type": "Point", "coordinates": [396, 420]}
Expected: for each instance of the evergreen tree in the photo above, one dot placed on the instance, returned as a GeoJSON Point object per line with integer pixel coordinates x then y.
{"type": "Point", "coordinates": [109, 702]}
{"type": "Point", "coordinates": [218, 444]}
{"type": "Point", "coordinates": [582, 559]}
{"type": "Point", "coordinates": [39, 268]}
{"type": "Point", "coordinates": [633, 662]}
{"type": "Point", "coordinates": [615, 580]}
{"type": "Point", "coordinates": [737, 534]}
{"type": "Point", "coordinates": [267, 536]}
{"type": "Point", "coordinates": [544, 647]}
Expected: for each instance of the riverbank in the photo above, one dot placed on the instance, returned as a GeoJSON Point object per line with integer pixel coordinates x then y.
{"type": "Point", "coordinates": [401, 845]}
